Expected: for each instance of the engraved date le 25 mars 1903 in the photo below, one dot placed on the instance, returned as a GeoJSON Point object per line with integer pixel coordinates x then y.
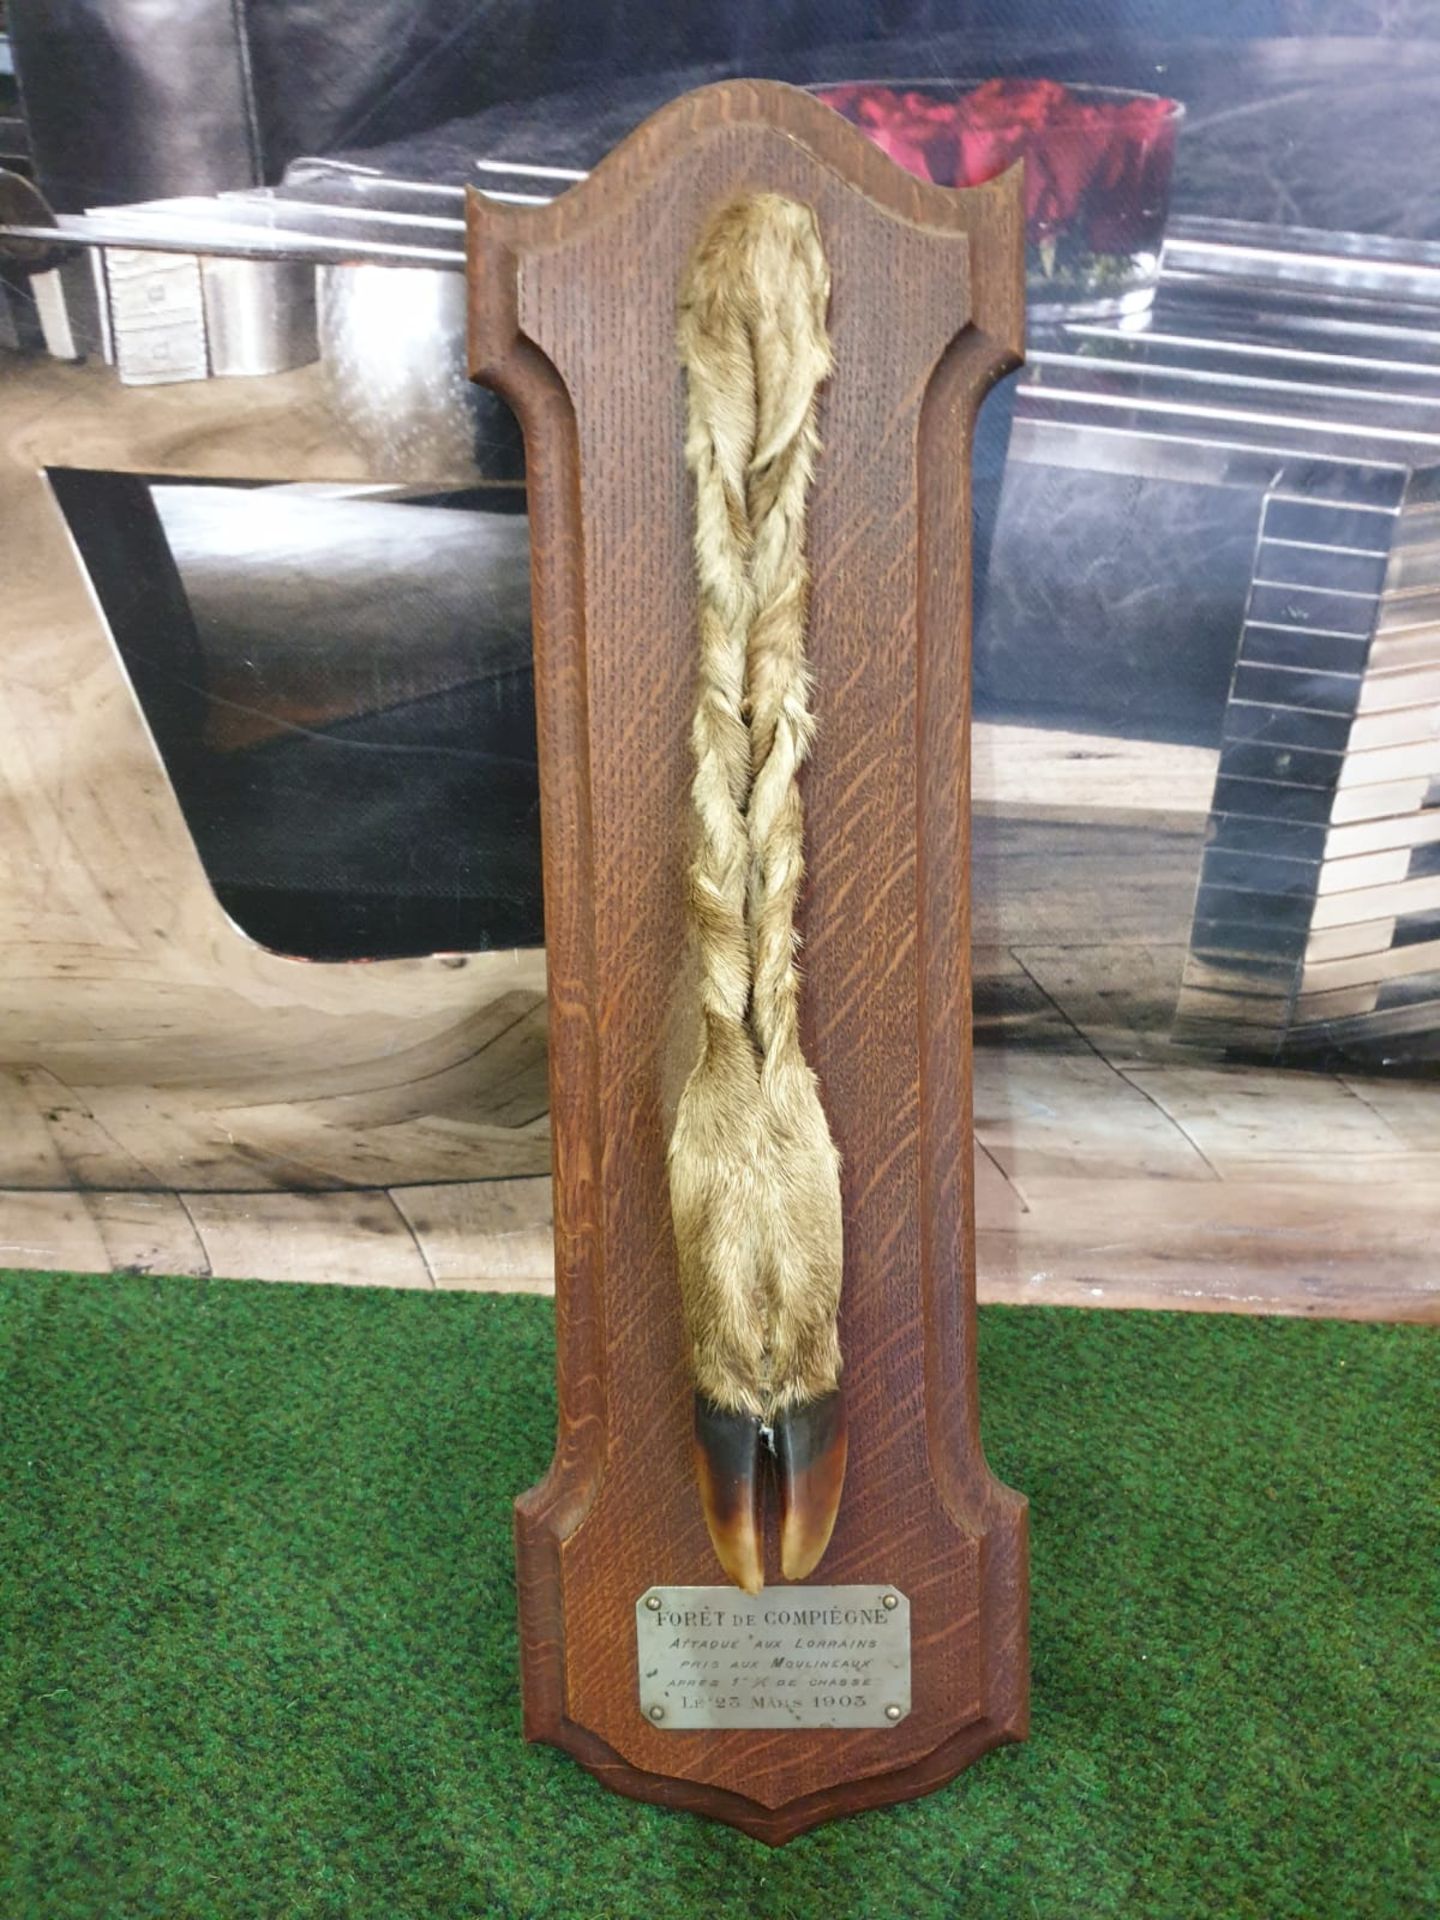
{"type": "Point", "coordinates": [788, 1657]}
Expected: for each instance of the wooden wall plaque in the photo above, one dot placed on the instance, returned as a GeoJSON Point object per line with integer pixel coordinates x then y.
{"type": "Point", "coordinates": [573, 310]}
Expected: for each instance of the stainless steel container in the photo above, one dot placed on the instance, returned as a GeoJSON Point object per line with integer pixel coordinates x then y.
{"type": "Point", "coordinates": [392, 352]}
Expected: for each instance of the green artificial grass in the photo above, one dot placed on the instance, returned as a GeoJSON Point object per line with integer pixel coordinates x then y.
{"type": "Point", "coordinates": [258, 1655]}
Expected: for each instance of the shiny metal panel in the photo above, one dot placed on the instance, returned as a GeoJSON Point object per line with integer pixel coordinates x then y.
{"type": "Point", "coordinates": [786, 1657]}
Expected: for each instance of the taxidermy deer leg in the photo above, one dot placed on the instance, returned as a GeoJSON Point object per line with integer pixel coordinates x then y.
{"type": "Point", "coordinates": [754, 1174]}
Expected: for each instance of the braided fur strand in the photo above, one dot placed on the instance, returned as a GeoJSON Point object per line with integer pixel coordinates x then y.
{"type": "Point", "coordinates": [754, 1174]}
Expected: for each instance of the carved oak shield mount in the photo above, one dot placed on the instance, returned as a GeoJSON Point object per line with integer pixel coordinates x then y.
{"type": "Point", "coordinates": [573, 319]}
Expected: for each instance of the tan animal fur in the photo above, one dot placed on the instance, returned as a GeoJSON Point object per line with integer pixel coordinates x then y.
{"type": "Point", "coordinates": [754, 1173]}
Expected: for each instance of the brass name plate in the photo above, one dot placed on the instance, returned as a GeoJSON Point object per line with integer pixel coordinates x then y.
{"type": "Point", "coordinates": [789, 1657]}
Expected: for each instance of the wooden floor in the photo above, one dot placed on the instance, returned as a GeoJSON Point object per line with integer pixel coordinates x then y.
{"type": "Point", "coordinates": [173, 1099]}
{"type": "Point", "coordinates": [1112, 1169]}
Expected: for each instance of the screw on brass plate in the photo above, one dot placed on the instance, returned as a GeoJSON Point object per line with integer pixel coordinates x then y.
{"type": "Point", "coordinates": [652, 1600]}
{"type": "Point", "coordinates": [892, 1713]}
{"type": "Point", "coordinates": [890, 1602]}
{"type": "Point", "coordinates": [658, 1713]}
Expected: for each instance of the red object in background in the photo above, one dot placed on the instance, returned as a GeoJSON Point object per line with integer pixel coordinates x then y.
{"type": "Point", "coordinates": [1097, 163]}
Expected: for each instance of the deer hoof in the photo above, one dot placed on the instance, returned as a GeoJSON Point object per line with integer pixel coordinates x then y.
{"type": "Point", "coordinates": [728, 1467]}
{"type": "Point", "coordinates": [811, 1443]}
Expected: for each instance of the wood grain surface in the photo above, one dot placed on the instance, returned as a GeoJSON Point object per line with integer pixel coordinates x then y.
{"type": "Point", "coordinates": [146, 1042]}
{"type": "Point", "coordinates": [573, 314]}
